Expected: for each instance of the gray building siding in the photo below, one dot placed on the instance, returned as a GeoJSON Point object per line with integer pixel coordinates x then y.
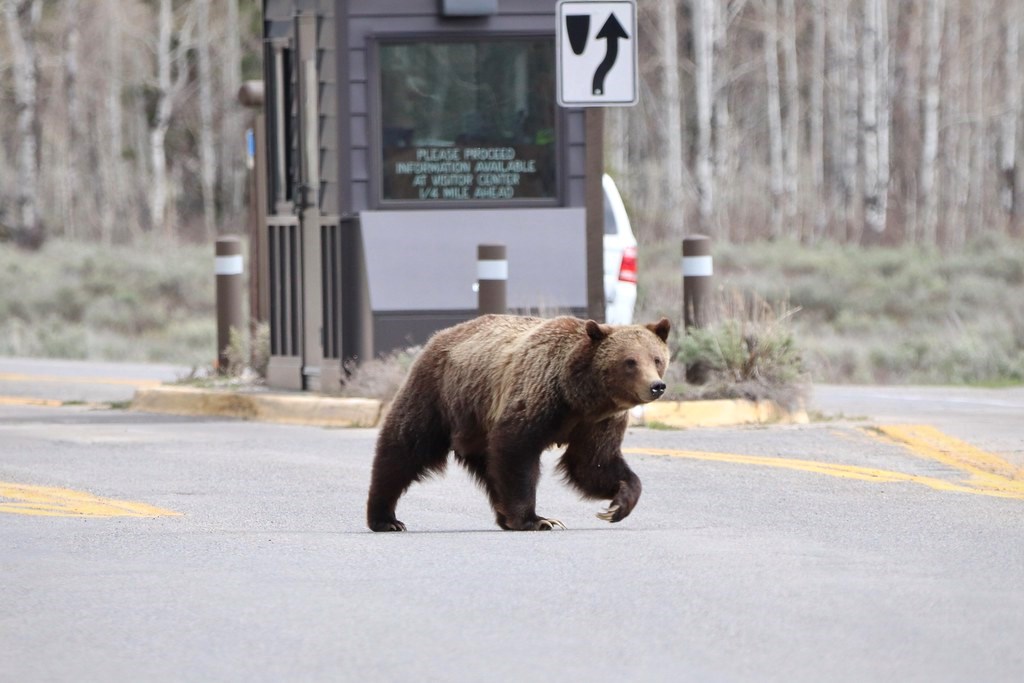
{"type": "Point", "coordinates": [426, 243]}
{"type": "Point", "coordinates": [369, 19]}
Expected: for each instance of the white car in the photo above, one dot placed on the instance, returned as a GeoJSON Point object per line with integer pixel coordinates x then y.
{"type": "Point", "coordinates": [619, 258]}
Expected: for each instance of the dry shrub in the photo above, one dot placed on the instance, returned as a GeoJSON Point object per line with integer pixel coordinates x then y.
{"type": "Point", "coordinates": [379, 377]}
{"type": "Point", "coordinates": [747, 351]}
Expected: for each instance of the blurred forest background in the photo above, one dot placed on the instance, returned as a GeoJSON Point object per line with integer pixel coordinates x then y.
{"type": "Point", "coordinates": [857, 158]}
{"type": "Point", "coordinates": [868, 121]}
{"type": "Point", "coordinates": [119, 118]}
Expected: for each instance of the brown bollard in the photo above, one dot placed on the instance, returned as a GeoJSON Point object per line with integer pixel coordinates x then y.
{"type": "Point", "coordinates": [697, 271]}
{"type": "Point", "coordinates": [492, 278]}
{"type": "Point", "coordinates": [228, 267]}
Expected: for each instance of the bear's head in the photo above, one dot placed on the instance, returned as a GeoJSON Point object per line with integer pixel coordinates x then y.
{"type": "Point", "coordinates": [631, 360]}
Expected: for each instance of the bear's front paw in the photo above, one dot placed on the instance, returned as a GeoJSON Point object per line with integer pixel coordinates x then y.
{"type": "Point", "coordinates": [623, 503]}
{"type": "Point", "coordinates": [390, 525]}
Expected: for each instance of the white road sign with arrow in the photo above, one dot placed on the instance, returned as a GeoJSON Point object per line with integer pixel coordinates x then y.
{"type": "Point", "coordinates": [597, 53]}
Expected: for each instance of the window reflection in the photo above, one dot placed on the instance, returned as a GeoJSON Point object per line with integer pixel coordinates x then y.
{"type": "Point", "coordinates": [468, 120]}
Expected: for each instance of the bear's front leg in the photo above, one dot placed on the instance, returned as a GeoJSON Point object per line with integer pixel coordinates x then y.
{"type": "Point", "coordinates": [593, 464]}
{"type": "Point", "coordinates": [514, 469]}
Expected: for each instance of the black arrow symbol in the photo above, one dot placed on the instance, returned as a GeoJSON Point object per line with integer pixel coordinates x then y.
{"type": "Point", "coordinates": [611, 32]}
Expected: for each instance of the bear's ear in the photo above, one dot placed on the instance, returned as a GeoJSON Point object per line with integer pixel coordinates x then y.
{"type": "Point", "coordinates": [596, 331]}
{"type": "Point", "coordinates": [661, 328]}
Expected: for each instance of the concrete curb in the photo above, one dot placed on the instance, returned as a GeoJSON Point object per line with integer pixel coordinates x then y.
{"type": "Point", "coordinates": [717, 413]}
{"type": "Point", "coordinates": [331, 411]}
{"type": "Point", "coordinates": [316, 410]}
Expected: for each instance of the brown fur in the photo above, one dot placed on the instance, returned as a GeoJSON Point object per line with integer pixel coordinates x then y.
{"type": "Point", "coordinates": [499, 390]}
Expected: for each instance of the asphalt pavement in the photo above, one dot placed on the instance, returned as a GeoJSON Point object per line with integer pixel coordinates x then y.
{"type": "Point", "coordinates": [882, 542]}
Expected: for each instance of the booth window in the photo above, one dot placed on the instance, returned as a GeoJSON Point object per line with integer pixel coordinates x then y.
{"type": "Point", "coordinates": [467, 120]}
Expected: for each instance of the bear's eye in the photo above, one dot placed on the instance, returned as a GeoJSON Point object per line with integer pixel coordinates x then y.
{"type": "Point", "coordinates": [631, 363]}
{"type": "Point", "coordinates": [658, 363]}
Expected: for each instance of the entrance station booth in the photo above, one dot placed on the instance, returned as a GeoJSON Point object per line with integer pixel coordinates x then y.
{"type": "Point", "coordinates": [396, 137]}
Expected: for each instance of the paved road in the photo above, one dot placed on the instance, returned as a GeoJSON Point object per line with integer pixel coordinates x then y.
{"type": "Point", "coordinates": [196, 549]}
{"type": "Point", "coordinates": [44, 380]}
{"type": "Point", "coordinates": [989, 418]}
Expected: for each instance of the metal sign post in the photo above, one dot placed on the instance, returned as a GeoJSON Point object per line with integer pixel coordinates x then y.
{"type": "Point", "coordinates": [596, 47]}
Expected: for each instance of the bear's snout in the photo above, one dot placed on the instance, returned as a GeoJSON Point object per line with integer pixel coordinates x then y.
{"type": "Point", "coordinates": [658, 388]}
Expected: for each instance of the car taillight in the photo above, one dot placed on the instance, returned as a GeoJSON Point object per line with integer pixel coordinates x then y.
{"type": "Point", "coordinates": [627, 269]}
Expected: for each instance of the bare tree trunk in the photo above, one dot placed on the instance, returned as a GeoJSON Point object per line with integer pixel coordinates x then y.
{"type": "Point", "coordinates": [162, 119]}
{"type": "Point", "coordinates": [207, 156]}
{"type": "Point", "coordinates": [775, 134]}
{"type": "Point", "coordinates": [171, 76]}
{"type": "Point", "coordinates": [870, 108]}
{"type": "Point", "coordinates": [22, 19]}
{"type": "Point", "coordinates": [74, 123]}
{"type": "Point", "coordinates": [1011, 109]}
{"type": "Point", "coordinates": [791, 116]}
{"type": "Point", "coordinates": [980, 142]}
{"type": "Point", "coordinates": [111, 197]}
{"type": "Point", "coordinates": [816, 112]}
{"type": "Point", "coordinates": [703, 44]}
{"type": "Point", "coordinates": [673, 107]}
{"type": "Point", "coordinates": [884, 69]}
{"type": "Point", "coordinates": [933, 20]}
{"type": "Point", "coordinates": [851, 161]}
{"type": "Point", "coordinates": [723, 140]}
{"type": "Point", "coordinates": [952, 187]}
{"type": "Point", "coordinates": [232, 139]}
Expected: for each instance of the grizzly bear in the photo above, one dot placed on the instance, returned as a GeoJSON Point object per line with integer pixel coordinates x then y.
{"type": "Point", "coordinates": [498, 390]}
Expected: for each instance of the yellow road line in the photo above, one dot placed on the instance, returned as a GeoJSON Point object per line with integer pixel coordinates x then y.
{"type": "Point", "coordinates": [64, 379]}
{"type": "Point", "coordinates": [22, 401]}
{"type": "Point", "coordinates": [24, 499]}
{"type": "Point", "coordinates": [986, 470]}
{"type": "Point", "coordinates": [832, 470]}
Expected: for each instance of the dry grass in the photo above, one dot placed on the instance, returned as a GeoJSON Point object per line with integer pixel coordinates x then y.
{"type": "Point", "coordinates": [902, 315]}
{"type": "Point", "coordinates": [889, 316]}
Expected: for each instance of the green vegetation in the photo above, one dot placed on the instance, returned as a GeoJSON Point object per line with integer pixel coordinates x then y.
{"type": "Point", "coordinates": [892, 315]}
{"type": "Point", "coordinates": [152, 302]}
{"type": "Point", "coordinates": [747, 351]}
{"type": "Point", "coordinates": [784, 313]}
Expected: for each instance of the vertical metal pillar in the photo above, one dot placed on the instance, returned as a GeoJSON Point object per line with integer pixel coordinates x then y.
{"type": "Point", "coordinates": [228, 268]}
{"type": "Point", "coordinates": [309, 201]}
{"type": "Point", "coordinates": [697, 271]}
{"type": "Point", "coordinates": [594, 199]}
{"type": "Point", "coordinates": [492, 278]}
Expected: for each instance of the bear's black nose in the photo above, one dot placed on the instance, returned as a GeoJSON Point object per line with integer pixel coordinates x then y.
{"type": "Point", "coordinates": [657, 389]}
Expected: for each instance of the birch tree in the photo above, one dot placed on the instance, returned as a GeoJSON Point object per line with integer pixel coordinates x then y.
{"type": "Point", "coordinates": [1011, 108]}
{"type": "Point", "coordinates": [927, 191]}
{"type": "Point", "coordinates": [791, 113]}
{"type": "Point", "coordinates": [170, 79]}
{"type": "Point", "coordinates": [207, 156]}
{"type": "Point", "coordinates": [703, 48]}
{"type": "Point", "coordinates": [816, 106]}
{"type": "Point", "coordinates": [774, 103]}
{"type": "Point", "coordinates": [232, 153]}
{"type": "Point", "coordinates": [74, 119]}
{"type": "Point", "coordinates": [673, 107]}
{"type": "Point", "coordinates": [22, 20]}
{"type": "Point", "coordinates": [873, 105]}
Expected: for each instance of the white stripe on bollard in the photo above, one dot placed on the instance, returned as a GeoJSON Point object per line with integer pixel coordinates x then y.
{"type": "Point", "coordinates": [228, 265]}
{"type": "Point", "coordinates": [492, 270]}
{"type": "Point", "coordinates": [699, 266]}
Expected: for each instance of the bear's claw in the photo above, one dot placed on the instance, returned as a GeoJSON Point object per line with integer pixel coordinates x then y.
{"type": "Point", "coordinates": [609, 514]}
{"type": "Point", "coordinates": [549, 525]}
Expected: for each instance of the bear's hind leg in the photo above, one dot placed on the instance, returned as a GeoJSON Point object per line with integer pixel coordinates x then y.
{"type": "Point", "coordinates": [398, 463]}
